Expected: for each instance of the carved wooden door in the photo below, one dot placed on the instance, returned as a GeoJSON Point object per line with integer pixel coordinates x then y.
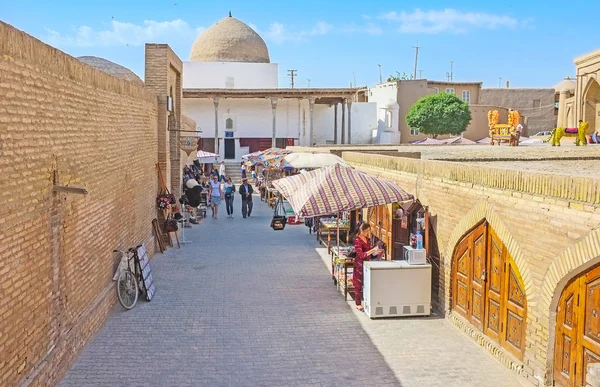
{"type": "Point", "coordinates": [565, 356]}
{"type": "Point", "coordinates": [495, 274]}
{"type": "Point", "coordinates": [514, 310]}
{"type": "Point", "coordinates": [478, 265]}
{"type": "Point", "coordinates": [462, 277]}
{"type": "Point", "coordinates": [578, 329]}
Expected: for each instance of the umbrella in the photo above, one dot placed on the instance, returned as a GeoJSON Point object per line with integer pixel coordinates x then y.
{"type": "Point", "coordinates": [312, 160]}
{"type": "Point", "coordinates": [337, 189]}
{"type": "Point", "coordinates": [206, 157]}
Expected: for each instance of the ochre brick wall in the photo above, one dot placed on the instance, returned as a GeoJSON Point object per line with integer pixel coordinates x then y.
{"type": "Point", "coordinates": [549, 224]}
{"type": "Point", "coordinates": [61, 119]}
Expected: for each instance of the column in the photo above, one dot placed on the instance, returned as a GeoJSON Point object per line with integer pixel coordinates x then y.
{"type": "Point", "coordinates": [311, 106]}
{"type": "Point", "coordinates": [562, 110]}
{"type": "Point", "coordinates": [343, 134]}
{"type": "Point", "coordinates": [216, 103]}
{"type": "Point", "coordinates": [349, 121]}
{"type": "Point", "coordinates": [274, 112]}
{"type": "Point", "coordinates": [335, 129]}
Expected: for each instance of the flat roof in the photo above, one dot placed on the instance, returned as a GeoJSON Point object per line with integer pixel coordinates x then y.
{"type": "Point", "coordinates": [453, 83]}
{"type": "Point", "coordinates": [273, 93]}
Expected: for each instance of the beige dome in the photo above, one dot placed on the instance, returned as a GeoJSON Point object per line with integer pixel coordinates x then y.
{"type": "Point", "coordinates": [566, 85]}
{"type": "Point", "coordinates": [111, 68]}
{"type": "Point", "coordinates": [230, 40]}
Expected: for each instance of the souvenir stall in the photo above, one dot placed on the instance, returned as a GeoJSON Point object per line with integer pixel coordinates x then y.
{"type": "Point", "coordinates": [398, 225]}
{"type": "Point", "coordinates": [338, 190]}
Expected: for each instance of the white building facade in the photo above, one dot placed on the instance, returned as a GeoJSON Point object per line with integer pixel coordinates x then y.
{"type": "Point", "coordinates": [231, 90]}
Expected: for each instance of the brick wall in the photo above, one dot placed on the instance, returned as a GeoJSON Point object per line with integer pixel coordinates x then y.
{"type": "Point", "coordinates": [549, 224]}
{"type": "Point", "coordinates": [60, 118]}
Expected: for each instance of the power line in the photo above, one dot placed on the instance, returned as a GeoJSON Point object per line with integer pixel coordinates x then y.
{"type": "Point", "coordinates": [292, 74]}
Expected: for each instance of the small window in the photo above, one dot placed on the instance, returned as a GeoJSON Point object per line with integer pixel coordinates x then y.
{"type": "Point", "coordinates": [536, 103]}
{"type": "Point", "coordinates": [229, 82]}
{"type": "Point", "coordinates": [388, 119]}
{"type": "Point", "coordinates": [414, 132]}
{"type": "Point", "coordinates": [229, 124]}
{"type": "Point", "coordinates": [450, 90]}
{"type": "Point", "coordinates": [466, 96]}
{"type": "Point", "coordinates": [437, 89]}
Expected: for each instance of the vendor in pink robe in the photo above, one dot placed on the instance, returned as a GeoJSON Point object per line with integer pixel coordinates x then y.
{"type": "Point", "coordinates": [363, 253]}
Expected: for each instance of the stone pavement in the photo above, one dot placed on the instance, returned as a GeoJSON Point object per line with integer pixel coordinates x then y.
{"type": "Point", "coordinates": [244, 305]}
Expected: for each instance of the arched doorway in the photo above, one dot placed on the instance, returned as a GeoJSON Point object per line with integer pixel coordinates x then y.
{"type": "Point", "coordinates": [591, 105]}
{"type": "Point", "coordinates": [487, 288]}
{"type": "Point", "coordinates": [577, 329]}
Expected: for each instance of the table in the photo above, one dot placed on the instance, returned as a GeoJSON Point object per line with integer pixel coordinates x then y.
{"type": "Point", "coordinates": [343, 270]}
{"type": "Point", "coordinates": [329, 228]}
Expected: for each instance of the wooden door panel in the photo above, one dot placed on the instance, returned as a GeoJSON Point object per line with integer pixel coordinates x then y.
{"type": "Point", "coordinates": [495, 316]}
{"type": "Point", "coordinates": [478, 279]}
{"type": "Point", "coordinates": [461, 298]}
{"type": "Point", "coordinates": [590, 305]}
{"type": "Point", "coordinates": [514, 335]}
{"type": "Point", "coordinates": [589, 357]}
{"type": "Point", "coordinates": [564, 350]}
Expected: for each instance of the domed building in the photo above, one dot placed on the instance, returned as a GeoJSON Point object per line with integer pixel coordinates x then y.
{"type": "Point", "coordinates": [111, 68]}
{"type": "Point", "coordinates": [231, 89]}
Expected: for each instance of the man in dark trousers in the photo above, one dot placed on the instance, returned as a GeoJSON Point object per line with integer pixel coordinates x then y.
{"type": "Point", "coordinates": [246, 191]}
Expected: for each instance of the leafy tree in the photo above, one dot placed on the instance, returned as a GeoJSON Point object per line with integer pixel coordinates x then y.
{"type": "Point", "coordinates": [400, 77]}
{"type": "Point", "coordinates": [440, 113]}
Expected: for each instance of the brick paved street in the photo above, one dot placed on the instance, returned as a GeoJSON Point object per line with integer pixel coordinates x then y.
{"type": "Point", "coordinates": [246, 306]}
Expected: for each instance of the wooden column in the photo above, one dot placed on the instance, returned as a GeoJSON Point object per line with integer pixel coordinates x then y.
{"type": "Point", "coordinates": [311, 106]}
{"type": "Point", "coordinates": [349, 121]}
{"type": "Point", "coordinates": [335, 126]}
{"type": "Point", "coordinates": [343, 134]}
{"type": "Point", "coordinates": [216, 103]}
{"type": "Point", "coordinates": [274, 112]}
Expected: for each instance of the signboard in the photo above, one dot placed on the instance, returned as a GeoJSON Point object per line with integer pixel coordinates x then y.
{"type": "Point", "coordinates": [188, 144]}
{"type": "Point", "coordinates": [228, 134]}
{"type": "Point", "coordinates": [144, 267]}
{"type": "Point", "coordinates": [290, 142]}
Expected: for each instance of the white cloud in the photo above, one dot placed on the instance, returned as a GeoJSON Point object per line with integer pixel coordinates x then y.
{"type": "Point", "coordinates": [447, 20]}
{"type": "Point", "coordinates": [279, 34]}
{"type": "Point", "coordinates": [121, 34]}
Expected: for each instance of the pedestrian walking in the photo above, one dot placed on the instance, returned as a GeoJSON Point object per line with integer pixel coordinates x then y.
{"type": "Point", "coordinates": [216, 195]}
{"type": "Point", "coordinates": [246, 192]}
{"type": "Point", "coordinates": [243, 166]}
{"type": "Point", "coordinates": [229, 189]}
{"type": "Point", "coordinates": [222, 171]}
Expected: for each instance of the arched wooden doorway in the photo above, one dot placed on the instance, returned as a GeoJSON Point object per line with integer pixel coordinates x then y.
{"type": "Point", "coordinates": [487, 288]}
{"type": "Point", "coordinates": [591, 101]}
{"type": "Point", "coordinates": [577, 329]}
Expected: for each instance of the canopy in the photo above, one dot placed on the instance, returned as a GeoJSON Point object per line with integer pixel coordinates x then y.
{"type": "Point", "coordinates": [267, 155]}
{"type": "Point", "coordinates": [335, 189]}
{"type": "Point", "coordinates": [312, 160]}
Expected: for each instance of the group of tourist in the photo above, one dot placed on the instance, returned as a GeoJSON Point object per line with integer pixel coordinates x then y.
{"type": "Point", "coordinates": [217, 192]}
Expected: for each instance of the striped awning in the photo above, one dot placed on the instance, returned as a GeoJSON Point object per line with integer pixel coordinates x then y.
{"type": "Point", "coordinates": [336, 189]}
{"type": "Point", "coordinates": [202, 154]}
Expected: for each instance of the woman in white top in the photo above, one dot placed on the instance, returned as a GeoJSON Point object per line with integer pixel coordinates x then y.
{"type": "Point", "coordinates": [216, 195]}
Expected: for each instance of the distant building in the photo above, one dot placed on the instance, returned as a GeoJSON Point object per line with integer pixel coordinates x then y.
{"type": "Point", "coordinates": [539, 106]}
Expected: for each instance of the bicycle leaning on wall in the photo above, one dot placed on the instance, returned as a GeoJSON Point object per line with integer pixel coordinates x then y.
{"type": "Point", "coordinates": [129, 279]}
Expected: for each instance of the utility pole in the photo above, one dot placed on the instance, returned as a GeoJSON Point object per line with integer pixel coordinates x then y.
{"type": "Point", "coordinates": [451, 70]}
{"type": "Point", "coordinates": [292, 74]}
{"type": "Point", "coordinates": [420, 74]}
{"type": "Point", "coordinates": [499, 82]}
{"type": "Point", "coordinates": [354, 77]}
{"type": "Point", "coordinates": [380, 78]}
{"type": "Point", "coordinates": [308, 82]}
{"type": "Point", "coordinates": [416, 59]}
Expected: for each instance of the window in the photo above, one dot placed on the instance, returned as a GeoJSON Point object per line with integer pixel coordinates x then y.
{"type": "Point", "coordinates": [388, 119]}
{"type": "Point", "coordinates": [229, 124]}
{"type": "Point", "coordinates": [466, 96]}
{"type": "Point", "coordinates": [536, 103]}
{"type": "Point", "coordinates": [437, 89]}
{"type": "Point", "coordinates": [229, 82]}
{"type": "Point", "coordinates": [414, 132]}
{"type": "Point", "coordinates": [450, 90]}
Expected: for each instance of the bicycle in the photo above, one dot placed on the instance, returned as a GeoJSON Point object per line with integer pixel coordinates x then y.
{"type": "Point", "coordinates": [128, 280]}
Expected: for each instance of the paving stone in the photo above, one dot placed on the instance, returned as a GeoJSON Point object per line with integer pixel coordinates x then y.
{"type": "Point", "coordinates": [244, 305]}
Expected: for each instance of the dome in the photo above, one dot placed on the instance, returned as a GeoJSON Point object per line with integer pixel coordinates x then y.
{"type": "Point", "coordinates": [111, 68]}
{"type": "Point", "coordinates": [390, 104]}
{"type": "Point", "coordinates": [230, 40]}
{"type": "Point", "coordinates": [566, 85]}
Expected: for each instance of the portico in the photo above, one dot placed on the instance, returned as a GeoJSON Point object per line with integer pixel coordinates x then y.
{"type": "Point", "coordinates": [247, 120]}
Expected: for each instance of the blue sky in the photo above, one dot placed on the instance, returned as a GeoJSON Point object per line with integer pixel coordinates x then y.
{"type": "Point", "coordinates": [530, 43]}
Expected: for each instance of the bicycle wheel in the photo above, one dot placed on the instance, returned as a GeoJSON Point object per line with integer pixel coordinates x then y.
{"type": "Point", "coordinates": [127, 289]}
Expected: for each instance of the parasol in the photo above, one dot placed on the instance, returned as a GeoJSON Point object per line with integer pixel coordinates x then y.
{"type": "Point", "coordinates": [206, 157]}
{"type": "Point", "coordinates": [337, 189]}
{"type": "Point", "coordinates": [312, 160]}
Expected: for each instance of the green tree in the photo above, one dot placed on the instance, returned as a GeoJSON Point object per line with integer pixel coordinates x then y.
{"type": "Point", "coordinates": [440, 113]}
